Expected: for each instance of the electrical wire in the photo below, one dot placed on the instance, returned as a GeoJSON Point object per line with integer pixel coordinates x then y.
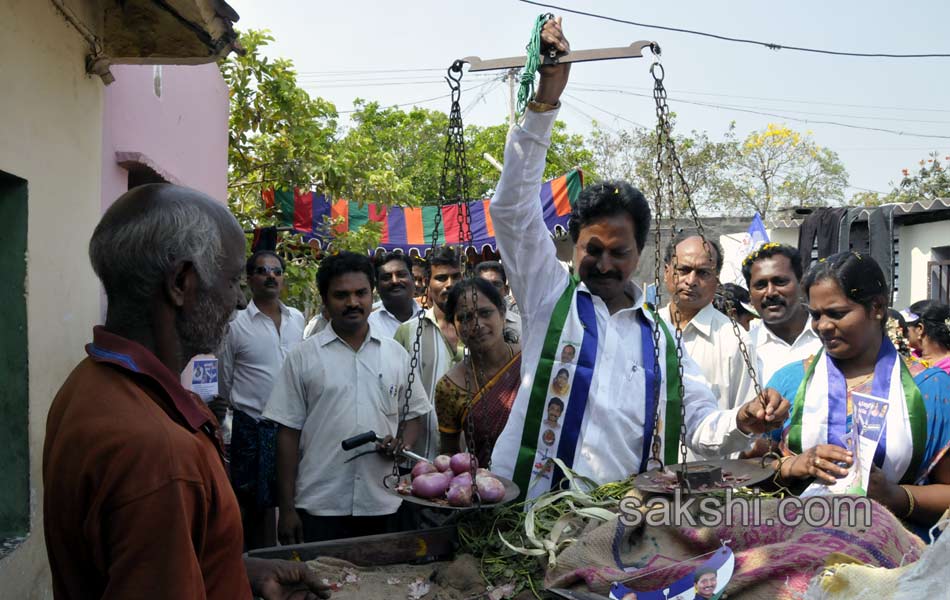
{"type": "Point", "coordinates": [414, 102]}
{"type": "Point", "coordinates": [769, 45]}
{"type": "Point", "coordinates": [615, 115]}
{"type": "Point", "coordinates": [788, 117]}
{"type": "Point", "coordinates": [799, 112]}
{"type": "Point", "coordinates": [767, 99]}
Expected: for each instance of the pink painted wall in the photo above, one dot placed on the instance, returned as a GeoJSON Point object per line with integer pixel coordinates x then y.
{"type": "Point", "coordinates": [182, 134]}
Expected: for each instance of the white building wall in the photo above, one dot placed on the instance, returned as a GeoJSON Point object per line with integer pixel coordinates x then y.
{"type": "Point", "coordinates": [916, 250]}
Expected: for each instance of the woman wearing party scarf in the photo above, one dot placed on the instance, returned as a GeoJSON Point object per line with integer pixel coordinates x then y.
{"type": "Point", "coordinates": [847, 297]}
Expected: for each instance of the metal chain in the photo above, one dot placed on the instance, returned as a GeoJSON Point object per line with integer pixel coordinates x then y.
{"type": "Point", "coordinates": [453, 138]}
{"type": "Point", "coordinates": [665, 141]}
{"type": "Point", "coordinates": [665, 176]}
{"type": "Point", "coordinates": [455, 160]}
{"type": "Point", "coordinates": [655, 457]}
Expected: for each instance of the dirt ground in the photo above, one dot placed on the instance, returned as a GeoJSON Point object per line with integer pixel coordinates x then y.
{"type": "Point", "coordinates": [456, 580]}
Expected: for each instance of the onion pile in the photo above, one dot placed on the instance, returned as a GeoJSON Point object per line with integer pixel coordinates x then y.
{"type": "Point", "coordinates": [449, 479]}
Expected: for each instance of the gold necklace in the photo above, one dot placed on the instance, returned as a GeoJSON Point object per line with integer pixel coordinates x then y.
{"type": "Point", "coordinates": [471, 362]}
{"type": "Point", "coordinates": [861, 381]}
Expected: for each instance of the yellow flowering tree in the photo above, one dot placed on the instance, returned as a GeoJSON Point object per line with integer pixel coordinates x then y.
{"type": "Point", "coordinates": [778, 168]}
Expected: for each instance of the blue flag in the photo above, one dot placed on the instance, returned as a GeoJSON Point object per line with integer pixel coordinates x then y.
{"type": "Point", "coordinates": [757, 233]}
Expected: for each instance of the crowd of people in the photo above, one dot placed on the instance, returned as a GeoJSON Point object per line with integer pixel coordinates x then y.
{"type": "Point", "coordinates": [580, 368]}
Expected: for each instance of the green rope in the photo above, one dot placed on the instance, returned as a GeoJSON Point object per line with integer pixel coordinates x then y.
{"type": "Point", "coordinates": [531, 64]}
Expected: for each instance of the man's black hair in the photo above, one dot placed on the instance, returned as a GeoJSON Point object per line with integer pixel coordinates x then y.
{"type": "Point", "coordinates": [681, 237]}
{"type": "Point", "coordinates": [768, 251]}
{"type": "Point", "coordinates": [556, 401]}
{"type": "Point", "coordinates": [703, 571]}
{"type": "Point", "coordinates": [607, 199]}
{"type": "Point", "coordinates": [382, 259]}
{"type": "Point", "coordinates": [334, 265]}
{"type": "Point", "coordinates": [441, 257]}
{"type": "Point", "coordinates": [492, 265]}
{"type": "Point", "coordinates": [565, 371]}
{"type": "Point", "coordinates": [732, 297]}
{"type": "Point", "coordinates": [252, 261]}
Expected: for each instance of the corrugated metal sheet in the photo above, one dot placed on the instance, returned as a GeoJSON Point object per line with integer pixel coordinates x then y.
{"type": "Point", "coordinates": [905, 208]}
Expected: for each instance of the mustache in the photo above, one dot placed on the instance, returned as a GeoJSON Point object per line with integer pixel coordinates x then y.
{"type": "Point", "coordinates": [773, 302]}
{"type": "Point", "coordinates": [615, 275]}
{"type": "Point", "coordinates": [351, 311]}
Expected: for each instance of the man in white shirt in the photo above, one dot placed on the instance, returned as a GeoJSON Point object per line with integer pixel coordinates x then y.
{"type": "Point", "coordinates": [691, 276]}
{"type": "Point", "coordinates": [397, 294]}
{"type": "Point", "coordinates": [342, 381]}
{"type": "Point", "coordinates": [494, 271]}
{"type": "Point", "coordinates": [258, 341]}
{"type": "Point", "coordinates": [773, 274]}
{"type": "Point", "coordinates": [604, 433]}
{"type": "Point", "coordinates": [439, 346]}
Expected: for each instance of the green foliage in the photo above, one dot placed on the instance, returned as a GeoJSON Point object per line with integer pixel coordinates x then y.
{"type": "Point", "coordinates": [567, 151]}
{"type": "Point", "coordinates": [631, 155]}
{"type": "Point", "coordinates": [930, 182]}
{"type": "Point", "coordinates": [780, 168]}
{"type": "Point", "coordinates": [278, 134]}
{"type": "Point", "coordinates": [774, 168]}
{"type": "Point", "coordinates": [408, 145]}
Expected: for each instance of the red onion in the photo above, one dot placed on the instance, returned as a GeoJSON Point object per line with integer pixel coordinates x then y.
{"type": "Point", "coordinates": [429, 485]}
{"type": "Point", "coordinates": [421, 468]}
{"type": "Point", "coordinates": [462, 479]}
{"type": "Point", "coordinates": [490, 489]}
{"type": "Point", "coordinates": [483, 473]}
{"type": "Point", "coordinates": [462, 462]}
{"type": "Point", "coordinates": [460, 495]}
{"type": "Point", "coordinates": [443, 462]}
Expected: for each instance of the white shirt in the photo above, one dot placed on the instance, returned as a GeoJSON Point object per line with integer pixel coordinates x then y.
{"type": "Point", "coordinates": [315, 325]}
{"type": "Point", "coordinates": [711, 342]}
{"type": "Point", "coordinates": [252, 354]}
{"type": "Point", "coordinates": [611, 435]}
{"type": "Point", "coordinates": [385, 322]}
{"type": "Point", "coordinates": [773, 352]}
{"type": "Point", "coordinates": [513, 324]}
{"type": "Point", "coordinates": [435, 360]}
{"type": "Point", "coordinates": [329, 392]}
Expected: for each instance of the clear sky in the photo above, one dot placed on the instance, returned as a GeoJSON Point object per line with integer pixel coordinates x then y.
{"type": "Point", "coordinates": [395, 52]}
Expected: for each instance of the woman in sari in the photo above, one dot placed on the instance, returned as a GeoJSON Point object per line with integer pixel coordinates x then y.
{"type": "Point", "coordinates": [491, 371]}
{"type": "Point", "coordinates": [847, 298]}
{"type": "Point", "coordinates": [928, 332]}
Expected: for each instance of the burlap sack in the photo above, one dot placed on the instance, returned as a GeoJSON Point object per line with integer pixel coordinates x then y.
{"type": "Point", "coordinates": [773, 561]}
{"type": "Point", "coordinates": [926, 578]}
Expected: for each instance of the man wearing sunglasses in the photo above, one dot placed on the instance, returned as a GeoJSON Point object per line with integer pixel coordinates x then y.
{"type": "Point", "coordinates": [259, 339]}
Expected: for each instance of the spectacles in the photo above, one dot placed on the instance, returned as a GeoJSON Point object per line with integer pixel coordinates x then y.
{"type": "Point", "coordinates": [277, 271]}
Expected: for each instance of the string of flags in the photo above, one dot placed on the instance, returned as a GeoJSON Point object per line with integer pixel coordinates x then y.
{"type": "Point", "coordinates": [407, 228]}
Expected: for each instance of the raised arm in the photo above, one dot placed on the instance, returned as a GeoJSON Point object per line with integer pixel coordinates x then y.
{"type": "Point", "coordinates": [523, 239]}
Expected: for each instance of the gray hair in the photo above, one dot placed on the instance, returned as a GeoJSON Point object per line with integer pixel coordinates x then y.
{"type": "Point", "coordinates": [132, 253]}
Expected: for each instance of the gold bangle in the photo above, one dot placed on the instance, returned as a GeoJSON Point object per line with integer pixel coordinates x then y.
{"type": "Point", "coordinates": [911, 503]}
{"type": "Point", "coordinates": [541, 107]}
